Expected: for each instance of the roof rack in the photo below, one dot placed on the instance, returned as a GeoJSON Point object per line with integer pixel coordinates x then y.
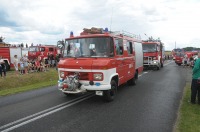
{"type": "Point", "coordinates": [151, 39]}
{"type": "Point", "coordinates": [128, 34]}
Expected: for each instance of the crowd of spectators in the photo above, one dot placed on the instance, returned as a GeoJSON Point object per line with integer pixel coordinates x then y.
{"type": "Point", "coordinates": [189, 61]}
{"type": "Point", "coordinates": [25, 66]}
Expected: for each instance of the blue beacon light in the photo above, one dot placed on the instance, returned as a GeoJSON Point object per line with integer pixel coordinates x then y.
{"type": "Point", "coordinates": [106, 30]}
{"type": "Point", "coordinates": [71, 34]}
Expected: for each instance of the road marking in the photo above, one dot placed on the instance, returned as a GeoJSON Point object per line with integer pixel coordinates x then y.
{"type": "Point", "coordinates": [43, 113]}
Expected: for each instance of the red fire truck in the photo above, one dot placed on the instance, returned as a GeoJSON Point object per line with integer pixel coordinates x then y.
{"type": "Point", "coordinates": [42, 51]}
{"type": "Point", "coordinates": [175, 51]}
{"type": "Point", "coordinates": [99, 61]}
{"type": "Point", "coordinates": [8, 55]}
{"type": "Point", "coordinates": [181, 55]}
{"type": "Point", "coordinates": [153, 53]}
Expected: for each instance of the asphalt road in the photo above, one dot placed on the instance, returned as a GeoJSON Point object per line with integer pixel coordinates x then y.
{"type": "Point", "coordinates": [150, 106]}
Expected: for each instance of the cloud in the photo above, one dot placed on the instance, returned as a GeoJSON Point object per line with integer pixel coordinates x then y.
{"type": "Point", "coordinates": [47, 21]}
{"type": "Point", "coordinates": [5, 20]}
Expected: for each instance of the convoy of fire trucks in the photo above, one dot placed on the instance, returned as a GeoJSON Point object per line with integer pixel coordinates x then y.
{"type": "Point", "coordinates": [99, 61]}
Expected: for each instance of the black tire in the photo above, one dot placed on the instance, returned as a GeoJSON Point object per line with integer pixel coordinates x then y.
{"type": "Point", "coordinates": [179, 64]}
{"type": "Point", "coordinates": [158, 67]}
{"type": "Point", "coordinates": [110, 94]}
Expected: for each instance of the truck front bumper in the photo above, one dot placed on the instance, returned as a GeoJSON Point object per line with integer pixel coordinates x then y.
{"type": "Point", "coordinates": [153, 63]}
{"type": "Point", "coordinates": [85, 87]}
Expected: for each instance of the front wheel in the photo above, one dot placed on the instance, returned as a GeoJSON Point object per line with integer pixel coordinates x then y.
{"type": "Point", "coordinates": [110, 94]}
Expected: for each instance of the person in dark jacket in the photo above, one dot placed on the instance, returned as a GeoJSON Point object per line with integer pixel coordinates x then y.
{"type": "Point", "coordinates": [195, 86]}
{"type": "Point", "coordinates": [2, 67]}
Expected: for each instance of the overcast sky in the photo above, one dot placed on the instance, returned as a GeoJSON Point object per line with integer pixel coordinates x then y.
{"type": "Point", "coordinates": [47, 21]}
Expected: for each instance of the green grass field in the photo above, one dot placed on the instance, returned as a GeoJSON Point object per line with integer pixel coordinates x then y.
{"type": "Point", "coordinates": [12, 84]}
{"type": "Point", "coordinates": [189, 114]}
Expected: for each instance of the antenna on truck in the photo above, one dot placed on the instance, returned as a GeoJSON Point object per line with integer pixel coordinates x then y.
{"type": "Point", "coordinates": [111, 19]}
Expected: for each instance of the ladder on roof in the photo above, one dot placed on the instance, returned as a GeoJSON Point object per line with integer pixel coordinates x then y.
{"type": "Point", "coordinates": [128, 34]}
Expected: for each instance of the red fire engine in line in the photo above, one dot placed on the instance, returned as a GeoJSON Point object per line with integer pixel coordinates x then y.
{"type": "Point", "coordinates": [180, 55]}
{"type": "Point", "coordinates": [8, 55]}
{"type": "Point", "coordinates": [153, 53]}
{"type": "Point", "coordinates": [42, 51]}
{"type": "Point", "coordinates": [99, 61]}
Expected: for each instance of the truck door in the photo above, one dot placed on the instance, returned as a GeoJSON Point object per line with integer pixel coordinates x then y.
{"type": "Point", "coordinates": [130, 60]}
{"type": "Point", "coordinates": [120, 65]}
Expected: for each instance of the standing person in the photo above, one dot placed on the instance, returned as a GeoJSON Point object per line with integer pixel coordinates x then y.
{"type": "Point", "coordinates": [49, 59]}
{"type": "Point", "coordinates": [2, 67]}
{"type": "Point", "coordinates": [25, 60]}
{"type": "Point", "coordinates": [15, 62]}
{"type": "Point", "coordinates": [21, 66]}
{"type": "Point", "coordinates": [52, 60]}
{"type": "Point", "coordinates": [47, 64]}
{"type": "Point", "coordinates": [185, 61]}
{"type": "Point", "coordinates": [43, 65]}
{"type": "Point", "coordinates": [37, 65]}
{"type": "Point", "coordinates": [195, 86]}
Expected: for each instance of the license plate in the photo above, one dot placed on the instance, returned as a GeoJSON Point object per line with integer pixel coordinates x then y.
{"type": "Point", "coordinates": [100, 93]}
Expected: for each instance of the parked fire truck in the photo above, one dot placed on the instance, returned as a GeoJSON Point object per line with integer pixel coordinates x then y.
{"type": "Point", "coordinates": [8, 55]}
{"type": "Point", "coordinates": [99, 61]}
{"type": "Point", "coordinates": [179, 56]}
{"type": "Point", "coordinates": [175, 51]}
{"type": "Point", "coordinates": [153, 53]}
{"type": "Point", "coordinates": [42, 51]}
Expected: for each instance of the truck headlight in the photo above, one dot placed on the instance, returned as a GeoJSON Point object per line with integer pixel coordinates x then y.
{"type": "Point", "coordinates": [98, 76]}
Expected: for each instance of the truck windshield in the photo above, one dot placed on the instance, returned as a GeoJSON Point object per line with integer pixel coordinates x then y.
{"type": "Point", "coordinates": [89, 47]}
{"type": "Point", "coordinates": [33, 49]}
{"type": "Point", "coordinates": [149, 47]}
{"type": "Point", "coordinates": [179, 54]}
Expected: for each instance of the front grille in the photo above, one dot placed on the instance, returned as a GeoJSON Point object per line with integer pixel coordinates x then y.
{"type": "Point", "coordinates": [83, 75]}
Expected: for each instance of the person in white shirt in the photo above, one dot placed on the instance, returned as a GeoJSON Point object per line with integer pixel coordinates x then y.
{"type": "Point", "coordinates": [15, 62]}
